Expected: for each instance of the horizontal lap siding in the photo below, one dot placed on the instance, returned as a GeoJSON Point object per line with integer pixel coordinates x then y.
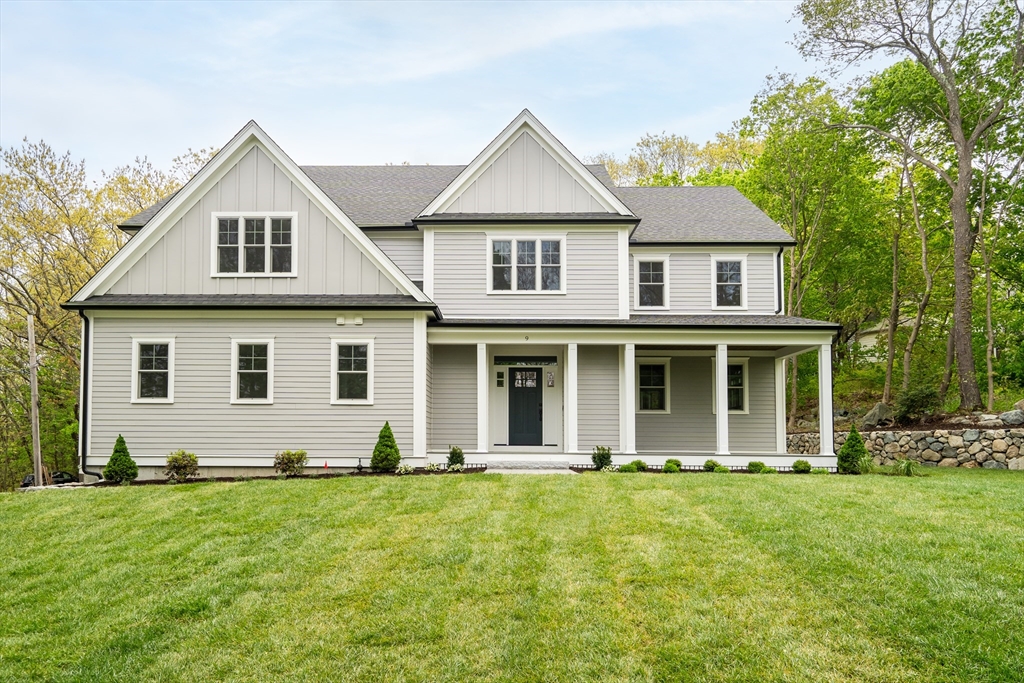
{"type": "Point", "coordinates": [202, 420]}
{"type": "Point", "coordinates": [406, 252]}
{"type": "Point", "coordinates": [755, 433]}
{"type": "Point", "coordinates": [461, 269]}
{"type": "Point", "coordinates": [691, 282]}
{"type": "Point", "coordinates": [453, 379]}
{"type": "Point", "coordinates": [598, 397]}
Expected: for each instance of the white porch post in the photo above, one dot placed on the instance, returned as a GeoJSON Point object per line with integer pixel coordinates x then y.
{"type": "Point", "coordinates": [629, 422]}
{"type": "Point", "coordinates": [780, 406]}
{"type": "Point", "coordinates": [571, 398]}
{"type": "Point", "coordinates": [722, 398]}
{"type": "Point", "coordinates": [419, 386]}
{"type": "Point", "coordinates": [825, 426]}
{"type": "Point", "coordinates": [482, 386]}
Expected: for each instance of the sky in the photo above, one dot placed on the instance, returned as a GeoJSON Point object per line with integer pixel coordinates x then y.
{"type": "Point", "coordinates": [379, 83]}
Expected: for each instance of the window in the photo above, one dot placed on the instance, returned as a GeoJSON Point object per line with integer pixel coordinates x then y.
{"type": "Point", "coordinates": [254, 246]}
{"type": "Point", "coordinates": [651, 289]}
{"type": "Point", "coordinates": [252, 375]}
{"type": "Point", "coordinates": [653, 385]}
{"type": "Point", "coordinates": [351, 371]}
{"type": "Point", "coordinates": [521, 265]}
{"type": "Point", "coordinates": [736, 384]}
{"type": "Point", "coordinates": [153, 371]}
{"type": "Point", "coordinates": [729, 274]}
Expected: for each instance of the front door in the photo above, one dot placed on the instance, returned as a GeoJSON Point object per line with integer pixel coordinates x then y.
{"type": "Point", "coordinates": [525, 406]}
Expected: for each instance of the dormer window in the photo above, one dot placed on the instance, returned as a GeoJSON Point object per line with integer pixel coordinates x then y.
{"type": "Point", "coordinates": [253, 245]}
{"type": "Point", "coordinates": [527, 265]}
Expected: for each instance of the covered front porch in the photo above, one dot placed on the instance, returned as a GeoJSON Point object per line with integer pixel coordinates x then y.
{"type": "Point", "coordinates": [548, 393]}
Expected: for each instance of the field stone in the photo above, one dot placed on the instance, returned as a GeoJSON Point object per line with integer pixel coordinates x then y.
{"type": "Point", "coordinates": [948, 462]}
{"type": "Point", "coordinates": [975, 447]}
{"type": "Point", "coordinates": [990, 423]}
{"type": "Point", "coordinates": [955, 441]}
{"type": "Point", "coordinates": [1017, 464]}
{"type": "Point", "coordinates": [892, 447]}
{"type": "Point", "coordinates": [948, 452]}
{"type": "Point", "coordinates": [999, 446]}
{"type": "Point", "coordinates": [982, 456]}
{"type": "Point", "coordinates": [993, 465]}
{"type": "Point", "coordinates": [1013, 417]}
{"type": "Point", "coordinates": [999, 457]}
{"type": "Point", "coordinates": [971, 435]}
{"type": "Point", "coordinates": [970, 464]}
{"type": "Point", "coordinates": [1019, 405]}
{"type": "Point", "coordinates": [880, 413]}
{"type": "Point", "coordinates": [1012, 452]}
{"type": "Point", "coordinates": [963, 457]}
{"type": "Point", "coordinates": [931, 455]}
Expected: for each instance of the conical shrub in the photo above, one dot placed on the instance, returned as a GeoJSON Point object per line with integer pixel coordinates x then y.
{"type": "Point", "coordinates": [386, 455]}
{"type": "Point", "coordinates": [849, 456]}
{"type": "Point", "coordinates": [121, 468]}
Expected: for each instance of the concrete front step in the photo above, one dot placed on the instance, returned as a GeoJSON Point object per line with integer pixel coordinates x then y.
{"type": "Point", "coordinates": [527, 464]}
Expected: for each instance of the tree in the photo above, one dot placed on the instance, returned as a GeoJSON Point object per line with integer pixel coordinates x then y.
{"type": "Point", "coordinates": [121, 468]}
{"type": "Point", "coordinates": [974, 53]}
{"type": "Point", "coordinates": [386, 455]}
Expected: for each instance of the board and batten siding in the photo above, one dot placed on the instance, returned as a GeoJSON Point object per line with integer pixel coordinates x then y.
{"type": "Point", "coordinates": [690, 426]}
{"type": "Point", "coordinates": [453, 394]}
{"type": "Point", "coordinates": [461, 269]}
{"type": "Point", "coordinates": [525, 178]}
{"type": "Point", "coordinates": [326, 260]}
{"type": "Point", "coordinates": [691, 283]}
{"type": "Point", "coordinates": [405, 250]}
{"type": "Point", "coordinates": [202, 419]}
{"type": "Point", "coordinates": [597, 383]}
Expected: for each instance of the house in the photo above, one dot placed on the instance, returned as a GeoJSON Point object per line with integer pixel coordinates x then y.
{"type": "Point", "coordinates": [521, 307]}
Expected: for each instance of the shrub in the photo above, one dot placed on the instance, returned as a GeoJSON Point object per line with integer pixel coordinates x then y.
{"type": "Point", "coordinates": [768, 470]}
{"type": "Point", "coordinates": [676, 462]}
{"type": "Point", "coordinates": [866, 465]}
{"type": "Point", "coordinates": [181, 466]}
{"type": "Point", "coordinates": [290, 463]}
{"type": "Point", "coordinates": [404, 469]}
{"type": "Point", "coordinates": [628, 467]}
{"type": "Point", "coordinates": [670, 468]}
{"type": "Point", "coordinates": [710, 465]}
{"type": "Point", "coordinates": [721, 470]}
{"type": "Point", "coordinates": [905, 467]}
{"type": "Point", "coordinates": [386, 456]}
{"type": "Point", "coordinates": [602, 457]}
{"type": "Point", "coordinates": [640, 465]}
{"type": "Point", "coordinates": [455, 456]}
{"type": "Point", "coordinates": [121, 468]}
{"type": "Point", "coordinates": [455, 467]}
{"type": "Point", "coordinates": [819, 470]}
{"type": "Point", "coordinates": [801, 467]}
{"type": "Point", "coordinates": [755, 466]}
{"type": "Point", "coordinates": [915, 402]}
{"type": "Point", "coordinates": [433, 467]}
{"type": "Point", "coordinates": [848, 458]}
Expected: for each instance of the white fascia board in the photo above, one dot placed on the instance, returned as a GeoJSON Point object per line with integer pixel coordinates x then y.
{"type": "Point", "coordinates": [250, 136]}
{"type": "Point", "coordinates": [527, 121]}
{"type": "Point", "coordinates": [528, 336]}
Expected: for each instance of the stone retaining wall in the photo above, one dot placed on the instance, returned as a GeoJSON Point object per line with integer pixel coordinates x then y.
{"type": "Point", "coordinates": [990, 448]}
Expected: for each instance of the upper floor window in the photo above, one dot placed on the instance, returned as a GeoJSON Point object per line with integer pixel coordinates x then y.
{"type": "Point", "coordinates": [527, 265]}
{"type": "Point", "coordinates": [254, 245]}
{"type": "Point", "coordinates": [651, 275]}
{"type": "Point", "coordinates": [729, 282]}
{"type": "Point", "coordinates": [153, 370]}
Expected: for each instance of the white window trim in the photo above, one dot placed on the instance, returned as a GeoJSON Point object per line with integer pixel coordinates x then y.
{"type": "Point", "coordinates": [645, 258]}
{"type": "Point", "coordinates": [241, 216]}
{"type": "Point", "coordinates": [136, 341]}
{"type": "Point", "coordinates": [745, 362]}
{"type": "Point", "coordinates": [715, 259]}
{"type": "Point", "coordinates": [368, 401]}
{"type": "Point", "coordinates": [648, 360]}
{"type": "Point", "coordinates": [515, 239]}
{"type": "Point", "coordinates": [269, 341]}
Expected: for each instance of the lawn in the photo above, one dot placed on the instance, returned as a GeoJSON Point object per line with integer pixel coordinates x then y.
{"type": "Point", "coordinates": [483, 577]}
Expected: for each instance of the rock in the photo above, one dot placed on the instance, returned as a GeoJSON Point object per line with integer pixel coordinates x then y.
{"type": "Point", "coordinates": [986, 416]}
{"type": "Point", "coordinates": [1013, 417]}
{"type": "Point", "coordinates": [971, 435]}
{"type": "Point", "coordinates": [999, 457]}
{"type": "Point", "coordinates": [991, 423]}
{"type": "Point", "coordinates": [880, 414]}
{"type": "Point", "coordinates": [970, 464]}
{"type": "Point", "coordinates": [963, 457]}
{"type": "Point", "coordinates": [892, 447]}
{"type": "Point", "coordinates": [955, 441]}
{"type": "Point", "coordinates": [931, 456]}
{"type": "Point", "coordinates": [993, 465]}
{"type": "Point", "coordinates": [975, 447]}
{"type": "Point", "coordinates": [1012, 452]}
{"type": "Point", "coordinates": [999, 446]}
{"type": "Point", "coordinates": [1019, 405]}
{"type": "Point", "coordinates": [1017, 464]}
{"type": "Point", "coordinates": [948, 462]}
{"type": "Point", "coordinates": [948, 452]}
{"type": "Point", "coordinates": [981, 456]}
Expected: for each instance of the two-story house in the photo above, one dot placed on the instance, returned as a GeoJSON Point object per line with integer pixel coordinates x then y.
{"type": "Point", "coordinates": [521, 307]}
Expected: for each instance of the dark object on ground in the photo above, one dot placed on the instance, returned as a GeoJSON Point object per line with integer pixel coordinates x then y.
{"type": "Point", "coordinates": [58, 478]}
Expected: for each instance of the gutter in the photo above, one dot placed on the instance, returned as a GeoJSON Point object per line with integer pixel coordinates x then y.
{"type": "Point", "coordinates": [83, 418]}
{"type": "Point", "coordinates": [778, 301]}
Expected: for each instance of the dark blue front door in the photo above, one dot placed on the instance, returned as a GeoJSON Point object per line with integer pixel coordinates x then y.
{"type": "Point", "coordinates": [525, 417]}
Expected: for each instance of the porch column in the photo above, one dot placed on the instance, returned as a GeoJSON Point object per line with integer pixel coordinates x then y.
{"type": "Point", "coordinates": [628, 425]}
{"type": "Point", "coordinates": [826, 431]}
{"type": "Point", "coordinates": [780, 406]}
{"type": "Point", "coordinates": [419, 386]}
{"type": "Point", "coordinates": [482, 394]}
{"type": "Point", "coordinates": [722, 398]}
{"type": "Point", "coordinates": [571, 400]}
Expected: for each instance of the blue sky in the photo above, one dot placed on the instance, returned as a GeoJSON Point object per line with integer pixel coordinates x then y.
{"type": "Point", "coordinates": [376, 83]}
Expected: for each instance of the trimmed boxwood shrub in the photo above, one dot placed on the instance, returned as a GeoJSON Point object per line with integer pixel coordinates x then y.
{"type": "Point", "coordinates": [801, 466]}
{"type": "Point", "coordinates": [181, 466]}
{"type": "Point", "coordinates": [819, 470]}
{"type": "Point", "coordinates": [602, 457]}
{"type": "Point", "coordinates": [710, 465]}
{"type": "Point", "coordinates": [290, 463]}
{"type": "Point", "coordinates": [121, 468]}
{"type": "Point", "coordinates": [755, 466]}
{"type": "Point", "coordinates": [670, 468]}
{"type": "Point", "coordinates": [640, 465]}
{"type": "Point", "coordinates": [768, 470]}
{"type": "Point", "coordinates": [848, 458]}
{"type": "Point", "coordinates": [455, 456]}
{"type": "Point", "coordinates": [674, 461]}
{"type": "Point", "coordinates": [386, 455]}
{"type": "Point", "coordinates": [721, 470]}
{"type": "Point", "coordinates": [628, 467]}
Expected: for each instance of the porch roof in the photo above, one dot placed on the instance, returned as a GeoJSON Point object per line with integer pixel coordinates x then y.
{"type": "Point", "coordinates": [739, 322]}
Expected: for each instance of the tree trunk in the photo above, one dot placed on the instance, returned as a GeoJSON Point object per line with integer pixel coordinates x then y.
{"type": "Point", "coordinates": [947, 373]}
{"type": "Point", "coordinates": [963, 245]}
{"type": "Point", "coordinates": [894, 318]}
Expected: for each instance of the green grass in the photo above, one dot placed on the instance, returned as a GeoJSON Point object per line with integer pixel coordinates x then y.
{"type": "Point", "coordinates": [689, 577]}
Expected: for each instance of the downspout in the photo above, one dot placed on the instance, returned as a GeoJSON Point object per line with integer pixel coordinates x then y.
{"type": "Point", "coordinates": [83, 418]}
{"type": "Point", "coordinates": [778, 272]}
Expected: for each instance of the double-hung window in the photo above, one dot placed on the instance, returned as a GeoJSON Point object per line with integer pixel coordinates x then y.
{"type": "Point", "coordinates": [351, 371]}
{"type": "Point", "coordinates": [527, 265]}
{"type": "Point", "coordinates": [252, 371]}
{"type": "Point", "coordinates": [254, 245]}
{"type": "Point", "coordinates": [736, 383]}
{"type": "Point", "coordinates": [729, 282]}
{"type": "Point", "coordinates": [153, 370]}
{"type": "Point", "coordinates": [653, 385]}
{"type": "Point", "coordinates": [651, 275]}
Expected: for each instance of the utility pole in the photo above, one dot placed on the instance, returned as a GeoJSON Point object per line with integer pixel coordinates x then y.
{"type": "Point", "coordinates": [33, 364]}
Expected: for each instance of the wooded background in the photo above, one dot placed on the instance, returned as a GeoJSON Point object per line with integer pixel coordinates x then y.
{"type": "Point", "coordinates": [901, 189]}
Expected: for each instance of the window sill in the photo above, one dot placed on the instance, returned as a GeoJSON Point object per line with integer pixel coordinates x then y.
{"type": "Point", "coordinates": [738, 309]}
{"type": "Point", "coordinates": [653, 412]}
{"type": "Point", "coordinates": [651, 309]}
{"type": "Point", "coordinates": [351, 402]}
{"type": "Point", "coordinates": [159, 401]}
{"type": "Point", "coordinates": [542, 292]}
{"type": "Point", "coordinates": [252, 401]}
